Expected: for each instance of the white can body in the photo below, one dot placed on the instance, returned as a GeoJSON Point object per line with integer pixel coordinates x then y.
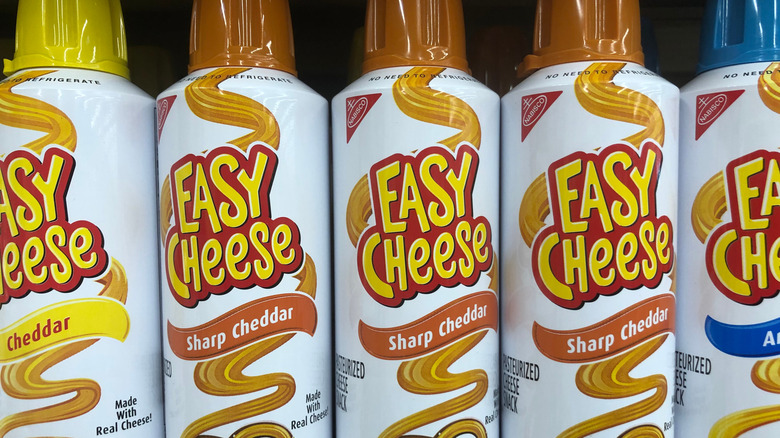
{"type": "Point", "coordinates": [589, 177]}
{"type": "Point", "coordinates": [415, 153]}
{"type": "Point", "coordinates": [728, 306]}
{"type": "Point", "coordinates": [243, 171]}
{"type": "Point", "coordinates": [79, 292]}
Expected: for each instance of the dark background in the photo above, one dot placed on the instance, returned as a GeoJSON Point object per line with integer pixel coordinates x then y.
{"type": "Point", "coordinates": [158, 36]}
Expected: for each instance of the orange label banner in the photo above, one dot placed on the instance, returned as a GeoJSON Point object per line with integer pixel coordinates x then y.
{"type": "Point", "coordinates": [245, 325]}
{"type": "Point", "coordinates": [439, 328]}
{"type": "Point", "coordinates": [611, 336]}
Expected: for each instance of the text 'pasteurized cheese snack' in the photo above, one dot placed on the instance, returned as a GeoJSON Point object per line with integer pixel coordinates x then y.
{"type": "Point", "coordinates": [79, 295]}
{"type": "Point", "coordinates": [245, 231]}
{"type": "Point", "coordinates": [728, 358]}
{"type": "Point", "coordinates": [589, 182]}
{"type": "Point", "coordinates": [415, 161]}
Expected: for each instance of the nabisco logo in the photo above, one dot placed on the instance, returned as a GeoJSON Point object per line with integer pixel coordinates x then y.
{"type": "Point", "coordinates": [710, 110]}
{"type": "Point", "coordinates": [534, 110]}
{"type": "Point", "coordinates": [357, 108]}
{"type": "Point", "coordinates": [709, 107]}
{"type": "Point", "coordinates": [534, 107]}
{"type": "Point", "coordinates": [164, 106]}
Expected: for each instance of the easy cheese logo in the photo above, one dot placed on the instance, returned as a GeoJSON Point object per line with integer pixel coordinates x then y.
{"type": "Point", "coordinates": [223, 234]}
{"type": "Point", "coordinates": [41, 250]}
{"type": "Point", "coordinates": [426, 235]}
{"type": "Point", "coordinates": [606, 234]}
{"type": "Point", "coordinates": [743, 255]}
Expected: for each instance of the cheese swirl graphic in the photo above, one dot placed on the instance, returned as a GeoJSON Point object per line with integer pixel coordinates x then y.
{"type": "Point", "coordinates": [711, 201]}
{"type": "Point", "coordinates": [430, 374]}
{"type": "Point", "coordinates": [224, 376]}
{"type": "Point", "coordinates": [610, 379]}
{"type": "Point", "coordinates": [597, 93]}
{"type": "Point", "coordinates": [24, 379]}
{"type": "Point", "coordinates": [24, 112]}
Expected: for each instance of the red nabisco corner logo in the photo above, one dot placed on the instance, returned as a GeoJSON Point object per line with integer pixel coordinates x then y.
{"type": "Point", "coordinates": [534, 107]}
{"type": "Point", "coordinates": [357, 108]}
{"type": "Point", "coordinates": [711, 106]}
{"type": "Point", "coordinates": [164, 106]}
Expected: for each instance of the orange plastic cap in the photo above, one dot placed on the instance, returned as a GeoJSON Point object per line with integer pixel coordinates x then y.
{"type": "Point", "coordinates": [584, 30]}
{"type": "Point", "coordinates": [414, 32]}
{"type": "Point", "coordinates": [252, 33]}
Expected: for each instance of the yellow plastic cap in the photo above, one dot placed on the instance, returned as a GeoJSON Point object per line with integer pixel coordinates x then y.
{"type": "Point", "coordinates": [584, 30]}
{"type": "Point", "coordinates": [402, 33]}
{"type": "Point", "coordinates": [88, 34]}
{"type": "Point", "coordinates": [251, 33]}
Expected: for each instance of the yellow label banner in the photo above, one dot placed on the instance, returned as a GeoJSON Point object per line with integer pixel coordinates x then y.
{"type": "Point", "coordinates": [61, 323]}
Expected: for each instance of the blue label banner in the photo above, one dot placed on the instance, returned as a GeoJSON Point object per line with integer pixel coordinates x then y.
{"type": "Point", "coordinates": [755, 340]}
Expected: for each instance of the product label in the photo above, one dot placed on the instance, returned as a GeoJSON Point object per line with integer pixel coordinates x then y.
{"type": "Point", "coordinates": [591, 322]}
{"type": "Point", "coordinates": [421, 265]}
{"type": "Point", "coordinates": [244, 334]}
{"type": "Point", "coordinates": [64, 288]}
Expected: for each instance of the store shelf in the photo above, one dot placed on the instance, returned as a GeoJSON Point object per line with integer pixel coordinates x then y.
{"type": "Point", "coordinates": [158, 33]}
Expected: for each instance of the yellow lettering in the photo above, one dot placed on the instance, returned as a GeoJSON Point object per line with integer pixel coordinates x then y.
{"type": "Point", "coordinates": [419, 256]}
{"type": "Point", "coordinates": [443, 249]}
{"type": "Point", "coordinates": [386, 196]}
{"type": "Point", "coordinates": [56, 232]}
{"type": "Point", "coordinates": [252, 184]}
{"type": "Point", "coordinates": [6, 210]}
{"type": "Point", "coordinates": [258, 235]}
{"type": "Point", "coordinates": [458, 183]}
{"type": "Point", "coordinates": [81, 241]}
{"type": "Point", "coordinates": [237, 203]}
{"type": "Point", "coordinates": [411, 200]}
{"type": "Point", "coordinates": [721, 267]}
{"type": "Point", "coordinates": [211, 256]}
{"type": "Point", "coordinates": [441, 213]}
{"type": "Point", "coordinates": [189, 262]}
{"type": "Point", "coordinates": [627, 249]}
{"type": "Point", "coordinates": [377, 285]}
{"type": "Point", "coordinates": [182, 197]}
{"type": "Point", "coordinates": [557, 288]}
{"type": "Point", "coordinates": [754, 257]}
{"type": "Point", "coordinates": [771, 190]}
{"type": "Point", "coordinates": [566, 196]}
{"type": "Point", "coordinates": [593, 198]}
{"type": "Point", "coordinates": [204, 201]}
{"type": "Point", "coordinates": [630, 204]}
{"type": "Point", "coordinates": [33, 208]}
{"type": "Point", "coordinates": [647, 235]}
{"type": "Point", "coordinates": [236, 251]}
{"type": "Point", "coordinates": [281, 241]}
{"type": "Point", "coordinates": [745, 193]}
{"type": "Point", "coordinates": [394, 261]}
{"type": "Point", "coordinates": [597, 264]}
{"type": "Point", "coordinates": [33, 254]}
{"type": "Point", "coordinates": [642, 182]}
{"type": "Point", "coordinates": [12, 258]}
{"type": "Point", "coordinates": [49, 186]}
{"type": "Point", "coordinates": [578, 262]}
{"type": "Point", "coordinates": [178, 286]}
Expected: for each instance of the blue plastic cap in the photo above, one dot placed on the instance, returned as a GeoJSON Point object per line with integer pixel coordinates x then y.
{"type": "Point", "coordinates": [739, 32]}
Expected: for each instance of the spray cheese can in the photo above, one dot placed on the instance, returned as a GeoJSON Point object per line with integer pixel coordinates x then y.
{"type": "Point", "coordinates": [728, 354]}
{"type": "Point", "coordinates": [79, 296]}
{"type": "Point", "coordinates": [589, 182]}
{"type": "Point", "coordinates": [415, 151]}
{"type": "Point", "coordinates": [243, 173]}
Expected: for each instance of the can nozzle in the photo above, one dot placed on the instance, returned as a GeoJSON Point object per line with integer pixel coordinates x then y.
{"type": "Point", "coordinates": [584, 30]}
{"type": "Point", "coordinates": [415, 32]}
{"type": "Point", "coordinates": [739, 32]}
{"type": "Point", "coordinates": [88, 34]}
{"type": "Point", "coordinates": [252, 33]}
